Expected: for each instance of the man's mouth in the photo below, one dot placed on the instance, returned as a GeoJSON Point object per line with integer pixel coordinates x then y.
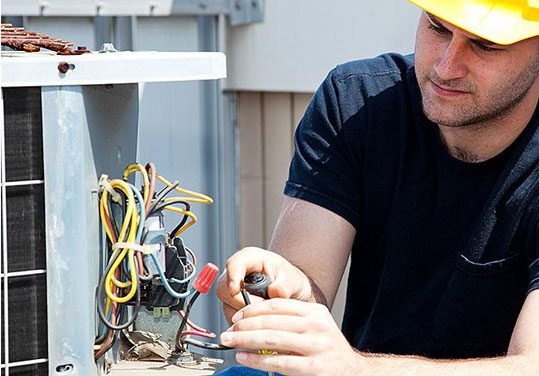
{"type": "Point", "coordinates": [445, 91]}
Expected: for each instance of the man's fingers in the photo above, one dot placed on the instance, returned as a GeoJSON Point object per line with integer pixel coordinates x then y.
{"type": "Point", "coordinates": [229, 312]}
{"type": "Point", "coordinates": [278, 307]}
{"type": "Point", "coordinates": [275, 340]}
{"type": "Point", "coordinates": [284, 364]}
{"type": "Point", "coordinates": [242, 262]}
{"type": "Point", "coordinates": [293, 324]}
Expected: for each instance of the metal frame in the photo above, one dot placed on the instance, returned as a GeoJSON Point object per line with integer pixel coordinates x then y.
{"type": "Point", "coordinates": [111, 68]}
{"type": "Point", "coordinates": [240, 12]}
{"type": "Point", "coordinates": [88, 130]}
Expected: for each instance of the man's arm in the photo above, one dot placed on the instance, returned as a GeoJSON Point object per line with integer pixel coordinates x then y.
{"type": "Point", "coordinates": [316, 241]}
{"type": "Point", "coordinates": [522, 358]}
{"type": "Point", "coordinates": [310, 248]}
{"type": "Point", "coordinates": [308, 342]}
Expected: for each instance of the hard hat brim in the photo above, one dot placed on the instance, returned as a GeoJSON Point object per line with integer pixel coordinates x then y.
{"type": "Point", "coordinates": [499, 23]}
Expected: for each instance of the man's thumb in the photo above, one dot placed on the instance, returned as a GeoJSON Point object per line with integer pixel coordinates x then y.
{"type": "Point", "coordinates": [277, 290]}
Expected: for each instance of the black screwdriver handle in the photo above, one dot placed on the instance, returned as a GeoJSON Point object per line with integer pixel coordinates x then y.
{"type": "Point", "coordinates": [257, 284]}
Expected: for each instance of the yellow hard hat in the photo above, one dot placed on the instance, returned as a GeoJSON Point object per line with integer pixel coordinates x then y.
{"type": "Point", "coordinates": [499, 21]}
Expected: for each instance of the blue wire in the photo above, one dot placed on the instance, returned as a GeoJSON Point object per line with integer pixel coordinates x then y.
{"type": "Point", "coordinates": [169, 289]}
{"type": "Point", "coordinates": [167, 286]}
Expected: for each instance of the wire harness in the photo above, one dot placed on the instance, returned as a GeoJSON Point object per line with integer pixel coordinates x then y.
{"type": "Point", "coordinates": [143, 264]}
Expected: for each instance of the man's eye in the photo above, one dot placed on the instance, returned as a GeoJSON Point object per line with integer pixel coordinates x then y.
{"type": "Point", "coordinates": [484, 48]}
{"type": "Point", "coordinates": [437, 29]}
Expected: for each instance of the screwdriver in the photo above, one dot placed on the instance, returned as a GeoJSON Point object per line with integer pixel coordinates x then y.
{"type": "Point", "coordinates": [257, 284]}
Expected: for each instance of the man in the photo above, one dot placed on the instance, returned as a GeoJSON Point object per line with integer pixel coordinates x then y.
{"type": "Point", "coordinates": [426, 169]}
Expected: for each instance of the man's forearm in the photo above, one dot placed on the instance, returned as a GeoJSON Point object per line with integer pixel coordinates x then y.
{"type": "Point", "coordinates": [317, 296]}
{"type": "Point", "coordinates": [515, 365]}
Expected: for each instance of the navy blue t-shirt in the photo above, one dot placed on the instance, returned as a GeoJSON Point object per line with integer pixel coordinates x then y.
{"type": "Point", "coordinates": [435, 271]}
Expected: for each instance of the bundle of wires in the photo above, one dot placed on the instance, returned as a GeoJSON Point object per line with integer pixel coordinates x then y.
{"type": "Point", "coordinates": [123, 209]}
{"type": "Point", "coordinates": [202, 285]}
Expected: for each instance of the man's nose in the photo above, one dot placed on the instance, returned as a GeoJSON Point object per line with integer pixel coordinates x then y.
{"type": "Point", "coordinates": [452, 61]}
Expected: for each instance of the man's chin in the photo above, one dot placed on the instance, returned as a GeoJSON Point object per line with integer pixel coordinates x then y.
{"type": "Point", "coordinates": [444, 119]}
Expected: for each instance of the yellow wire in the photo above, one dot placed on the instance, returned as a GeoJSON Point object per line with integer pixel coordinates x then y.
{"type": "Point", "coordinates": [130, 222]}
{"type": "Point", "coordinates": [190, 214]}
{"type": "Point", "coordinates": [134, 167]}
{"type": "Point", "coordinates": [130, 225]}
{"type": "Point", "coordinates": [197, 197]}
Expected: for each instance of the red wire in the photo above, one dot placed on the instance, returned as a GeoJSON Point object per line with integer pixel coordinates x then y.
{"type": "Point", "coordinates": [196, 333]}
{"type": "Point", "coordinates": [193, 325]}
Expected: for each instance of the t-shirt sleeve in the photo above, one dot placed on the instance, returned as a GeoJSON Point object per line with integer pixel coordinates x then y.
{"type": "Point", "coordinates": [534, 275]}
{"type": "Point", "coordinates": [324, 170]}
{"type": "Point", "coordinates": [531, 241]}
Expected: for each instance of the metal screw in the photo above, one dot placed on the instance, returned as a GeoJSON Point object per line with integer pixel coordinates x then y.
{"type": "Point", "coordinates": [63, 67]}
{"type": "Point", "coordinates": [64, 368]}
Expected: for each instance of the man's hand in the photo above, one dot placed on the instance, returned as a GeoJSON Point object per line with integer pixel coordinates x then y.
{"type": "Point", "coordinates": [288, 281]}
{"type": "Point", "coordinates": [304, 335]}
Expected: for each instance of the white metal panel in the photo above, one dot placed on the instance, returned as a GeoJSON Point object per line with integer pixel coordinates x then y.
{"type": "Point", "coordinates": [300, 41]}
{"type": "Point", "coordinates": [122, 67]}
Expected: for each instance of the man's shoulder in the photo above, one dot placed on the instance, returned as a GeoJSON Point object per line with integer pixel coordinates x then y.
{"type": "Point", "coordinates": [385, 81]}
{"type": "Point", "coordinates": [389, 64]}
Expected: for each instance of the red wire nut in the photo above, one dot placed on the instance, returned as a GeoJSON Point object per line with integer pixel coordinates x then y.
{"type": "Point", "coordinates": [205, 278]}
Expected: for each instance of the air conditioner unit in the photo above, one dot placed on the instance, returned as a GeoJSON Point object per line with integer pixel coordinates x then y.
{"type": "Point", "coordinates": [66, 120]}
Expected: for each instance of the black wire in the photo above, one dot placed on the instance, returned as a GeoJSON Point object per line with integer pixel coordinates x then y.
{"type": "Point", "coordinates": [185, 217]}
{"type": "Point", "coordinates": [99, 293]}
{"type": "Point", "coordinates": [162, 205]}
{"type": "Point", "coordinates": [162, 195]}
{"type": "Point", "coordinates": [206, 345]}
{"type": "Point", "coordinates": [179, 345]}
{"type": "Point", "coordinates": [101, 338]}
{"type": "Point", "coordinates": [194, 342]}
{"type": "Point", "coordinates": [245, 296]}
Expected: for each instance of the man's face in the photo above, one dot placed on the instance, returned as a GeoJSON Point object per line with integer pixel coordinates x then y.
{"type": "Point", "coordinates": [466, 80]}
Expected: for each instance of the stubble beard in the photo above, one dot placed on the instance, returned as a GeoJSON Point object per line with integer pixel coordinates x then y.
{"type": "Point", "coordinates": [502, 101]}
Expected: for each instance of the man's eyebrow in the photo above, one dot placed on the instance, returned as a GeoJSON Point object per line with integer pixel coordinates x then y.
{"type": "Point", "coordinates": [436, 21]}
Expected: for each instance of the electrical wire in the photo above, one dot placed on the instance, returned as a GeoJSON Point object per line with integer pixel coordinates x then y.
{"type": "Point", "coordinates": [167, 286]}
{"type": "Point", "coordinates": [162, 194]}
{"type": "Point", "coordinates": [123, 209]}
{"type": "Point", "coordinates": [206, 345]}
{"type": "Point", "coordinates": [152, 176]}
{"type": "Point", "coordinates": [196, 333]}
{"type": "Point", "coordinates": [128, 234]}
{"type": "Point", "coordinates": [191, 253]}
{"type": "Point", "coordinates": [192, 324]}
{"type": "Point", "coordinates": [179, 342]}
{"type": "Point", "coordinates": [99, 298]}
{"type": "Point", "coordinates": [196, 197]}
{"type": "Point", "coordinates": [181, 339]}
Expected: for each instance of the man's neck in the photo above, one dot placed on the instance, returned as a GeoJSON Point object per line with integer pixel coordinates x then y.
{"type": "Point", "coordinates": [480, 142]}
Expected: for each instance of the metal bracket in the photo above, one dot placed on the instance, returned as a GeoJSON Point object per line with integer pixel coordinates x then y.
{"type": "Point", "coordinates": [240, 12]}
{"type": "Point", "coordinates": [246, 11]}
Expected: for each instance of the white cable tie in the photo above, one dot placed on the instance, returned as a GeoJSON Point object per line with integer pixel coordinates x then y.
{"type": "Point", "coordinates": [105, 184]}
{"type": "Point", "coordinates": [136, 247]}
